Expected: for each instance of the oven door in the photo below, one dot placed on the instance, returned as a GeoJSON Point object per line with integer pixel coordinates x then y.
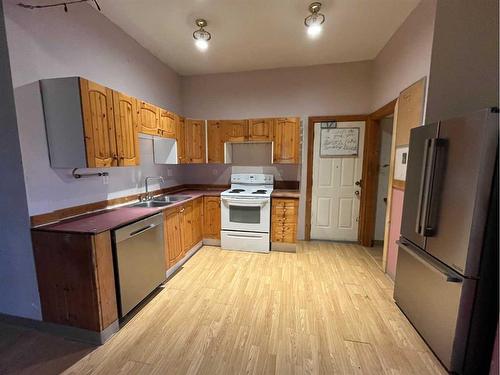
{"type": "Point", "coordinates": [246, 214]}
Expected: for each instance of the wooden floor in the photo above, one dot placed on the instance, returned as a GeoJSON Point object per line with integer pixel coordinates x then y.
{"type": "Point", "coordinates": [327, 309]}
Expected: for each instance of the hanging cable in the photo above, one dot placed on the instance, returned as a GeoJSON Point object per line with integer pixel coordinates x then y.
{"type": "Point", "coordinates": [64, 5]}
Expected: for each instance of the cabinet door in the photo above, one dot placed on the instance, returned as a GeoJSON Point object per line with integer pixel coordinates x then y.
{"type": "Point", "coordinates": [286, 137]}
{"type": "Point", "coordinates": [216, 139]}
{"type": "Point", "coordinates": [167, 124]}
{"type": "Point", "coordinates": [186, 212]}
{"type": "Point", "coordinates": [260, 129]}
{"type": "Point", "coordinates": [195, 141]}
{"type": "Point", "coordinates": [99, 124]}
{"type": "Point", "coordinates": [211, 217]}
{"type": "Point", "coordinates": [127, 127]}
{"type": "Point", "coordinates": [181, 140]}
{"type": "Point", "coordinates": [172, 234]}
{"type": "Point", "coordinates": [197, 220]}
{"type": "Point", "coordinates": [149, 118]}
{"type": "Point", "coordinates": [236, 130]}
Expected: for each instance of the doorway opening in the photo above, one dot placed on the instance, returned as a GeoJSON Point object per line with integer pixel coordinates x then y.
{"type": "Point", "coordinates": [384, 161]}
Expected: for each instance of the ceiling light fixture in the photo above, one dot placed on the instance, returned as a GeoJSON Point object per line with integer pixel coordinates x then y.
{"type": "Point", "coordinates": [201, 36]}
{"type": "Point", "coordinates": [315, 20]}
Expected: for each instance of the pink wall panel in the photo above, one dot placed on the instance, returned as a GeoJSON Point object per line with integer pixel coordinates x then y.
{"type": "Point", "coordinates": [395, 229]}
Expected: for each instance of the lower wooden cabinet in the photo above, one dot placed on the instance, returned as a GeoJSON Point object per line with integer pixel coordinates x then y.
{"type": "Point", "coordinates": [284, 215]}
{"type": "Point", "coordinates": [211, 217]}
{"type": "Point", "coordinates": [76, 280]}
{"type": "Point", "coordinates": [183, 230]}
{"type": "Point", "coordinates": [172, 236]}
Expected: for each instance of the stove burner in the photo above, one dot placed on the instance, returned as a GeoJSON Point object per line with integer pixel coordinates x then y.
{"type": "Point", "coordinates": [237, 190]}
{"type": "Point", "coordinates": [259, 191]}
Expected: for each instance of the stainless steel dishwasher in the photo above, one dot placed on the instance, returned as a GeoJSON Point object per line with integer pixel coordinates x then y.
{"type": "Point", "coordinates": [139, 261]}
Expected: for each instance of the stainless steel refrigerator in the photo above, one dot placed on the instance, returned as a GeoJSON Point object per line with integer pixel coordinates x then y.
{"type": "Point", "coordinates": [447, 270]}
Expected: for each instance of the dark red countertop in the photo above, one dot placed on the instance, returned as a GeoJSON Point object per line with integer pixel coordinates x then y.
{"type": "Point", "coordinates": [104, 220]}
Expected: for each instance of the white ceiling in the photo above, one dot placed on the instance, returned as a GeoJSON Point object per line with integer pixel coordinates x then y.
{"type": "Point", "coordinates": [257, 34]}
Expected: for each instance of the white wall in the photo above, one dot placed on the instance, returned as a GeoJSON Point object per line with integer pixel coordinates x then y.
{"type": "Point", "coordinates": [50, 43]}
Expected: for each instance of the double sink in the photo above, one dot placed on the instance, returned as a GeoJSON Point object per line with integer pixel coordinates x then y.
{"type": "Point", "coordinates": [162, 201]}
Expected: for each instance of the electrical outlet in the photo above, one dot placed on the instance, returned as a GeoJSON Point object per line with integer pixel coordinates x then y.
{"type": "Point", "coordinates": [105, 179]}
{"type": "Point", "coordinates": [169, 172]}
{"type": "Point", "coordinates": [215, 172]}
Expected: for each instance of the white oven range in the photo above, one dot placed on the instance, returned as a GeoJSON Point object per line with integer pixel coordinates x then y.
{"type": "Point", "coordinates": [246, 213]}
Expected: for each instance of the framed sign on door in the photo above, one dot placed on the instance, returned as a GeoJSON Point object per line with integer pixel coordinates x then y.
{"type": "Point", "coordinates": [338, 142]}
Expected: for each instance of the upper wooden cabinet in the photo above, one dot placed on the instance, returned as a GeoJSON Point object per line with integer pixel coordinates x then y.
{"type": "Point", "coordinates": [180, 136]}
{"type": "Point", "coordinates": [195, 141]}
{"type": "Point", "coordinates": [168, 123]}
{"type": "Point", "coordinates": [89, 125]}
{"type": "Point", "coordinates": [286, 137]}
{"type": "Point", "coordinates": [215, 140]}
{"type": "Point", "coordinates": [99, 124]}
{"type": "Point", "coordinates": [260, 129]}
{"type": "Point", "coordinates": [235, 130]}
{"type": "Point", "coordinates": [149, 118]}
{"type": "Point", "coordinates": [126, 127]}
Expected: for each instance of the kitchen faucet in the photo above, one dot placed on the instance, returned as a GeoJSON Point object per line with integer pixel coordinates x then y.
{"type": "Point", "coordinates": [146, 180]}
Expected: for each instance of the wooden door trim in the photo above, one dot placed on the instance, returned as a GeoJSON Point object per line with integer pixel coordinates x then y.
{"type": "Point", "coordinates": [368, 206]}
{"type": "Point", "coordinates": [310, 158]}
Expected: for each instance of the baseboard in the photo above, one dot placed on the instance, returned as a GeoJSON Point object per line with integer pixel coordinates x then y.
{"type": "Point", "coordinates": [284, 247]}
{"type": "Point", "coordinates": [68, 332]}
{"type": "Point", "coordinates": [211, 241]}
{"type": "Point", "coordinates": [181, 262]}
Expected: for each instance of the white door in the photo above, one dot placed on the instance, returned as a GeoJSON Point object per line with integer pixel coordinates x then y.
{"type": "Point", "coordinates": [335, 195]}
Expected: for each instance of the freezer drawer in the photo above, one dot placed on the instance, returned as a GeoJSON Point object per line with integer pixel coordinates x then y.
{"type": "Point", "coordinates": [245, 241]}
{"type": "Point", "coordinates": [437, 302]}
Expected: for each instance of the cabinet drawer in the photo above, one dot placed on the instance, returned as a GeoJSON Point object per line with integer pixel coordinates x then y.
{"type": "Point", "coordinates": [285, 233]}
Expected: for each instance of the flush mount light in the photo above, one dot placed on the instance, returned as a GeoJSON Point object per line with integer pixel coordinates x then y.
{"type": "Point", "coordinates": [201, 36]}
{"type": "Point", "coordinates": [315, 20]}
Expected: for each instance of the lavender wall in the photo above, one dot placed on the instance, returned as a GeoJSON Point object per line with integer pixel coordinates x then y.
{"type": "Point", "coordinates": [464, 75]}
{"type": "Point", "coordinates": [51, 43]}
{"type": "Point", "coordinates": [406, 57]}
{"type": "Point", "coordinates": [18, 286]}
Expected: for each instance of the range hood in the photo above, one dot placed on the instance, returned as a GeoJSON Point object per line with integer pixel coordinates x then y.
{"type": "Point", "coordinates": [248, 153]}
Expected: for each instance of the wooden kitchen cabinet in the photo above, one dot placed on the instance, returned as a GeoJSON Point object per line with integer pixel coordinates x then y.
{"type": "Point", "coordinates": [235, 130]}
{"type": "Point", "coordinates": [284, 215]}
{"type": "Point", "coordinates": [76, 279]}
{"type": "Point", "coordinates": [215, 139]}
{"type": "Point", "coordinates": [149, 118]}
{"type": "Point", "coordinates": [168, 124]}
{"type": "Point", "coordinates": [195, 141]}
{"type": "Point", "coordinates": [286, 137]}
{"type": "Point", "coordinates": [197, 222]}
{"type": "Point", "coordinates": [99, 125]}
{"type": "Point", "coordinates": [172, 236]}
{"type": "Point", "coordinates": [260, 129]}
{"type": "Point", "coordinates": [186, 211]}
{"type": "Point", "coordinates": [126, 128]}
{"type": "Point", "coordinates": [211, 217]}
{"type": "Point", "coordinates": [181, 139]}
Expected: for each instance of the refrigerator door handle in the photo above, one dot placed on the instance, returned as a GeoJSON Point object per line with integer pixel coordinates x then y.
{"type": "Point", "coordinates": [424, 230]}
{"type": "Point", "coordinates": [423, 179]}
{"type": "Point", "coordinates": [447, 274]}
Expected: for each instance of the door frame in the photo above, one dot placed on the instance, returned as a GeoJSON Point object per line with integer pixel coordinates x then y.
{"type": "Point", "coordinates": [310, 159]}
{"type": "Point", "coordinates": [369, 174]}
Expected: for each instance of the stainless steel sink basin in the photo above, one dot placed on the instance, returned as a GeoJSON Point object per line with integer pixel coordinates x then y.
{"type": "Point", "coordinates": [170, 198]}
{"type": "Point", "coordinates": [151, 204]}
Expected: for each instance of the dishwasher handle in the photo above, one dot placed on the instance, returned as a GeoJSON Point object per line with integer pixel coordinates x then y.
{"type": "Point", "coordinates": [139, 231]}
{"type": "Point", "coordinates": [137, 228]}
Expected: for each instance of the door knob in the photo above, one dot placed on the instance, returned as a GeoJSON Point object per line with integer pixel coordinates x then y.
{"type": "Point", "coordinates": [356, 193]}
{"type": "Point", "coordinates": [358, 183]}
